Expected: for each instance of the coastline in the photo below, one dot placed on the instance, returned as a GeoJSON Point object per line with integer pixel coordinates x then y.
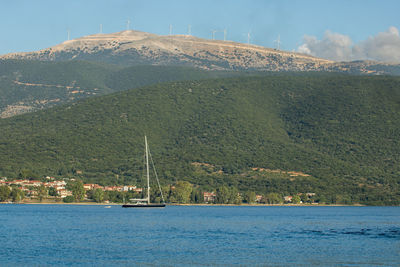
{"type": "Point", "coordinates": [269, 205]}
{"type": "Point", "coordinates": [191, 204]}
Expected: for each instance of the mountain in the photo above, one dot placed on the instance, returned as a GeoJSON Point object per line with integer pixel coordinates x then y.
{"type": "Point", "coordinates": [140, 48]}
{"type": "Point", "coordinates": [336, 135]}
{"type": "Point", "coordinates": [105, 63]}
{"type": "Point", "coordinates": [132, 48]}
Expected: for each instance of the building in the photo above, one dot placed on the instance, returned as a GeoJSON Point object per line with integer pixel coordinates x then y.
{"type": "Point", "coordinates": [64, 193]}
{"type": "Point", "coordinates": [89, 186]}
{"type": "Point", "coordinates": [209, 197]}
{"type": "Point", "coordinates": [35, 183]}
{"type": "Point", "coordinates": [288, 198]}
{"type": "Point", "coordinates": [20, 182]}
{"type": "Point", "coordinates": [57, 185]}
{"type": "Point", "coordinates": [129, 188]}
{"type": "Point", "coordinates": [138, 190]}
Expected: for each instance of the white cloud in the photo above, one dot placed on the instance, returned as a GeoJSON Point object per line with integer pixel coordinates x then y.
{"type": "Point", "coordinates": [385, 46]}
{"type": "Point", "coordinates": [333, 46]}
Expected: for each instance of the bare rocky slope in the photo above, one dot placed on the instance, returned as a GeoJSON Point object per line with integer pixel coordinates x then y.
{"type": "Point", "coordinates": [141, 48]}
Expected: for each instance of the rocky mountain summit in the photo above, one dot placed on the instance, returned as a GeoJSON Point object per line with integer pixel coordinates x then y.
{"type": "Point", "coordinates": [138, 48]}
{"type": "Point", "coordinates": [132, 48]}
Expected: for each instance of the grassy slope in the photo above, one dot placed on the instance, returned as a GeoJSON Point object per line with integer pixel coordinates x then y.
{"type": "Point", "coordinates": [342, 130]}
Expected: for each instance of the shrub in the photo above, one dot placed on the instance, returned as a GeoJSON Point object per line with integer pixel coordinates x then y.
{"type": "Point", "coordinates": [68, 199]}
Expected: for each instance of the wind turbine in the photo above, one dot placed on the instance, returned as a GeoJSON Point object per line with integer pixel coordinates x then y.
{"type": "Point", "coordinates": [225, 34]}
{"type": "Point", "coordinates": [189, 29]}
{"type": "Point", "coordinates": [278, 42]}
{"type": "Point", "coordinates": [213, 34]}
{"type": "Point", "coordinates": [170, 29]}
{"type": "Point", "coordinates": [101, 28]}
{"type": "Point", "coordinates": [128, 22]}
{"type": "Point", "coordinates": [68, 33]}
{"type": "Point", "coordinates": [248, 38]}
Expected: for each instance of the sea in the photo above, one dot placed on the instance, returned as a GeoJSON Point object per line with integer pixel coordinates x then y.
{"type": "Point", "coordinates": [93, 235]}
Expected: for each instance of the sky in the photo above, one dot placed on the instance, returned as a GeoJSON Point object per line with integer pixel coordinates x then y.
{"type": "Point", "coordinates": [333, 29]}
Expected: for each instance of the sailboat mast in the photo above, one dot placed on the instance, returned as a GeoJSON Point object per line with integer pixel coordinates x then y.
{"type": "Point", "coordinates": [141, 203]}
{"type": "Point", "coordinates": [147, 170]}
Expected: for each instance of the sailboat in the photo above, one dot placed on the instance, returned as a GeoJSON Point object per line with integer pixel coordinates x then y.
{"type": "Point", "coordinates": [145, 202]}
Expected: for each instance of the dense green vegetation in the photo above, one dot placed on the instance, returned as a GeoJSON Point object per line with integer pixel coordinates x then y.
{"type": "Point", "coordinates": [42, 84]}
{"type": "Point", "coordinates": [38, 84]}
{"type": "Point", "coordinates": [343, 131]}
{"type": "Point", "coordinates": [15, 194]}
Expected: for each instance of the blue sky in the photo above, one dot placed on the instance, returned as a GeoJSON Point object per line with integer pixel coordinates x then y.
{"type": "Point", "coordinates": [28, 25]}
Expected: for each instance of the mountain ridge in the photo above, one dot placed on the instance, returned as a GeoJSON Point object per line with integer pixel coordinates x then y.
{"type": "Point", "coordinates": [140, 48]}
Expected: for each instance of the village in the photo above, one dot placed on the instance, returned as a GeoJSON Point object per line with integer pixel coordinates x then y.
{"type": "Point", "coordinates": [29, 187]}
{"type": "Point", "coordinates": [57, 189]}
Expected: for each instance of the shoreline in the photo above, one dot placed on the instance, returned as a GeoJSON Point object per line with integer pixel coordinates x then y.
{"type": "Point", "coordinates": [269, 205]}
{"type": "Point", "coordinates": [194, 205]}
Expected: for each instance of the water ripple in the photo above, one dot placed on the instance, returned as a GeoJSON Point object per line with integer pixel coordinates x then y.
{"type": "Point", "coordinates": [39, 235]}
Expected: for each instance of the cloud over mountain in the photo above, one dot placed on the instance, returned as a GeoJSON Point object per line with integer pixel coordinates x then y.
{"type": "Point", "coordinates": [333, 46]}
{"type": "Point", "coordinates": [385, 46]}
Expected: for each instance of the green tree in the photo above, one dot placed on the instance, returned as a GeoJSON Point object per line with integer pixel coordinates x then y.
{"type": "Point", "coordinates": [273, 198]}
{"type": "Point", "coordinates": [155, 195]}
{"type": "Point", "coordinates": [62, 170]}
{"type": "Point", "coordinates": [26, 174]}
{"type": "Point", "coordinates": [304, 198]}
{"type": "Point", "coordinates": [321, 199]}
{"type": "Point", "coordinates": [344, 199]}
{"type": "Point", "coordinates": [76, 187]}
{"type": "Point", "coordinates": [222, 195]}
{"type": "Point", "coordinates": [250, 197]}
{"type": "Point", "coordinates": [68, 199]}
{"type": "Point", "coordinates": [17, 194]}
{"type": "Point", "coordinates": [41, 192]}
{"type": "Point", "coordinates": [234, 196]}
{"type": "Point", "coordinates": [98, 195]}
{"type": "Point", "coordinates": [197, 196]}
{"type": "Point", "coordinates": [53, 192]}
{"type": "Point", "coordinates": [4, 193]}
{"type": "Point", "coordinates": [114, 196]}
{"type": "Point", "coordinates": [296, 199]}
{"type": "Point", "coordinates": [182, 191]}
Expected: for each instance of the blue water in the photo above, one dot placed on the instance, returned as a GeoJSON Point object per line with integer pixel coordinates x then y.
{"type": "Point", "coordinates": [54, 235]}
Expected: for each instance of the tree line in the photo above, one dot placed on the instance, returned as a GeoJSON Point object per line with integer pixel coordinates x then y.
{"type": "Point", "coordinates": [181, 192]}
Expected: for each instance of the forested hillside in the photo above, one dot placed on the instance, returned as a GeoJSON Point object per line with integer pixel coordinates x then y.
{"type": "Point", "coordinates": [340, 133]}
{"type": "Point", "coordinates": [27, 86]}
